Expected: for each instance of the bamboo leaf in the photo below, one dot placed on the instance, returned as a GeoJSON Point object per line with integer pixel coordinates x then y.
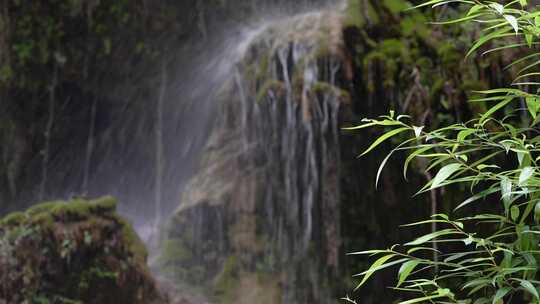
{"type": "Point", "coordinates": [529, 287]}
{"type": "Point", "coordinates": [495, 108]}
{"type": "Point", "coordinates": [486, 38]}
{"type": "Point", "coordinates": [412, 156]}
{"type": "Point", "coordinates": [533, 104]}
{"type": "Point", "coordinates": [475, 9]}
{"type": "Point", "coordinates": [384, 137]}
{"type": "Point", "coordinates": [418, 131]}
{"type": "Point", "coordinates": [381, 166]}
{"type": "Point", "coordinates": [378, 265]}
{"type": "Point", "coordinates": [514, 213]}
{"type": "Point", "coordinates": [506, 190]}
{"type": "Point", "coordinates": [431, 236]}
{"type": "Point", "coordinates": [405, 270]}
{"type": "Point", "coordinates": [428, 3]}
{"type": "Point", "coordinates": [499, 295]}
{"type": "Point", "coordinates": [463, 134]}
{"type": "Point", "coordinates": [498, 7]}
{"type": "Point", "coordinates": [374, 266]}
{"type": "Point", "coordinates": [525, 174]}
{"type": "Point", "coordinates": [512, 21]}
{"type": "Point", "coordinates": [444, 174]}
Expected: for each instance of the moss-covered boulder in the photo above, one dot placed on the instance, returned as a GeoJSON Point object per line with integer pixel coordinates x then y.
{"type": "Point", "coordinates": [78, 251]}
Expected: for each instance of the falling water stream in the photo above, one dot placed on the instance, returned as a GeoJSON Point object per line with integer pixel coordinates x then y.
{"type": "Point", "coordinates": [265, 197]}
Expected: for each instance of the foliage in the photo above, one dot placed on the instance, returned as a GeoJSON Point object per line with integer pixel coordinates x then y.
{"type": "Point", "coordinates": [44, 34]}
{"type": "Point", "coordinates": [492, 255]}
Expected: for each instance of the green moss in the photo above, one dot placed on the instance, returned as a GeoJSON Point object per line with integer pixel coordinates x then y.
{"type": "Point", "coordinates": [353, 14]}
{"type": "Point", "coordinates": [424, 63]}
{"type": "Point", "coordinates": [105, 204]}
{"type": "Point", "coordinates": [393, 48]}
{"type": "Point", "coordinates": [390, 67]}
{"type": "Point", "coordinates": [13, 219]}
{"type": "Point", "coordinates": [449, 55]}
{"type": "Point", "coordinates": [82, 209]}
{"type": "Point", "coordinates": [134, 243]}
{"type": "Point", "coordinates": [415, 24]}
{"type": "Point", "coordinates": [75, 209]}
{"type": "Point", "coordinates": [174, 251]}
{"type": "Point", "coordinates": [44, 220]}
{"type": "Point", "coordinates": [436, 88]}
{"type": "Point", "coordinates": [227, 281]}
{"type": "Point", "coordinates": [396, 6]}
{"type": "Point", "coordinates": [322, 87]}
{"type": "Point", "coordinates": [270, 85]}
{"type": "Point", "coordinates": [42, 207]}
{"type": "Point", "coordinates": [263, 67]}
{"type": "Point", "coordinates": [372, 14]}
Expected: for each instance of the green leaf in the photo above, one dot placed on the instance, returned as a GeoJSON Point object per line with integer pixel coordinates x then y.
{"type": "Point", "coordinates": [499, 295]}
{"type": "Point", "coordinates": [498, 7]}
{"type": "Point", "coordinates": [381, 166]}
{"type": "Point", "coordinates": [383, 138]}
{"type": "Point", "coordinates": [371, 123]}
{"type": "Point", "coordinates": [374, 268]}
{"type": "Point", "coordinates": [405, 270]}
{"type": "Point", "coordinates": [428, 3]}
{"type": "Point", "coordinates": [506, 189]}
{"type": "Point", "coordinates": [512, 21]}
{"type": "Point", "coordinates": [533, 104]}
{"type": "Point", "coordinates": [444, 174]}
{"type": "Point", "coordinates": [412, 156]}
{"type": "Point", "coordinates": [428, 237]}
{"type": "Point", "coordinates": [537, 211]}
{"type": "Point", "coordinates": [418, 131]}
{"type": "Point", "coordinates": [529, 287]}
{"type": "Point", "coordinates": [529, 39]}
{"type": "Point", "coordinates": [415, 249]}
{"type": "Point", "coordinates": [525, 174]}
{"type": "Point", "coordinates": [463, 134]}
{"type": "Point", "coordinates": [496, 34]}
{"type": "Point", "coordinates": [495, 108]}
{"type": "Point", "coordinates": [432, 221]}
{"type": "Point", "coordinates": [475, 9]}
{"type": "Point", "coordinates": [459, 20]}
{"type": "Point", "coordinates": [530, 207]}
{"type": "Point", "coordinates": [375, 251]}
{"type": "Point", "coordinates": [514, 213]}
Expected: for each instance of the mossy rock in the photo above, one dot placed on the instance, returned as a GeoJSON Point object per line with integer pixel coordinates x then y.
{"type": "Point", "coordinates": [78, 251]}
{"type": "Point", "coordinates": [232, 285]}
{"type": "Point", "coordinates": [174, 252]}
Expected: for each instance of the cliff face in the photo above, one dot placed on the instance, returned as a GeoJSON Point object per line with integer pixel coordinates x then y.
{"type": "Point", "coordinates": [263, 209]}
{"type": "Point", "coordinates": [73, 252]}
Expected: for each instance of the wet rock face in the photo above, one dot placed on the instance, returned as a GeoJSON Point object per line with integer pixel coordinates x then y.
{"type": "Point", "coordinates": [73, 252]}
{"type": "Point", "coordinates": [259, 222]}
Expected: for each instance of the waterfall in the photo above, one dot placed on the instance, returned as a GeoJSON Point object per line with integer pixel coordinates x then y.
{"type": "Point", "coordinates": [262, 210]}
